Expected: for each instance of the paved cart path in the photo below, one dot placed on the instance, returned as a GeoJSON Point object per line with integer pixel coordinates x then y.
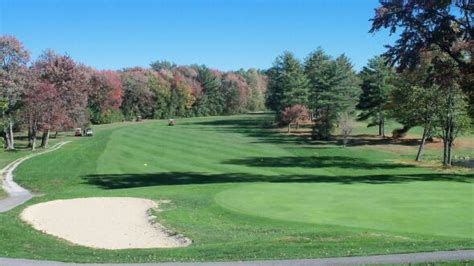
{"type": "Point", "coordinates": [460, 256]}
{"type": "Point", "coordinates": [17, 194]}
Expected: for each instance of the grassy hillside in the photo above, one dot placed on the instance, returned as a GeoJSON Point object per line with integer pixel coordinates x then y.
{"type": "Point", "coordinates": [242, 191]}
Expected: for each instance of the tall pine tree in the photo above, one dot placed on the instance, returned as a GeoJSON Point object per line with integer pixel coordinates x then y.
{"type": "Point", "coordinates": [377, 79]}
{"type": "Point", "coordinates": [288, 84]}
{"type": "Point", "coordinates": [333, 90]}
{"type": "Point", "coordinates": [212, 100]}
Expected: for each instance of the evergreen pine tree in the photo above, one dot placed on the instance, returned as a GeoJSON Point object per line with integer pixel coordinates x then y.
{"type": "Point", "coordinates": [213, 97]}
{"type": "Point", "coordinates": [333, 90]}
{"type": "Point", "coordinates": [376, 86]}
{"type": "Point", "coordinates": [288, 84]}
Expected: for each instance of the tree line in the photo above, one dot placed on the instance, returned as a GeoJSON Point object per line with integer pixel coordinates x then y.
{"type": "Point", "coordinates": [425, 79]}
{"type": "Point", "coordinates": [55, 93]}
{"type": "Point", "coordinates": [328, 92]}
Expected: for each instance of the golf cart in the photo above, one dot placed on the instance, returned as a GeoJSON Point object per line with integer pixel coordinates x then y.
{"type": "Point", "coordinates": [78, 132]}
{"type": "Point", "coordinates": [88, 132]}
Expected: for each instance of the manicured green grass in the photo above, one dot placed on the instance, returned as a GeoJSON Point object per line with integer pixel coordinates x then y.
{"type": "Point", "coordinates": [242, 192]}
{"type": "Point", "coordinates": [417, 207]}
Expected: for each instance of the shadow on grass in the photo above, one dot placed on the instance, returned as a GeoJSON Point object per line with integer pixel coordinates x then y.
{"type": "Point", "coordinates": [259, 127]}
{"type": "Point", "coordinates": [315, 162]}
{"type": "Point", "coordinates": [365, 139]}
{"type": "Point", "coordinates": [119, 181]}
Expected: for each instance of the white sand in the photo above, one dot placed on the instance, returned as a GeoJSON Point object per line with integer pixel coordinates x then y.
{"type": "Point", "coordinates": [107, 223]}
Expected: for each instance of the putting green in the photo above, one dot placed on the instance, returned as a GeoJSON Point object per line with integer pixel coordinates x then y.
{"type": "Point", "coordinates": [417, 207]}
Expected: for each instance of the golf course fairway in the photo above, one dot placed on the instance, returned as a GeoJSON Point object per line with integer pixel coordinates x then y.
{"type": "Point", "coordinates": [241, 190]}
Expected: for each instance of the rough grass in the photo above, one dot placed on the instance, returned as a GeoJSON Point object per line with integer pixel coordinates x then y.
{"type": "Point", "coordinates": [243, 192]}
{"type": "Point", "coordinates": [22, 150]}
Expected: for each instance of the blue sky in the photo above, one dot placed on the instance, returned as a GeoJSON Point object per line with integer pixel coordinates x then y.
{"type": "Point", "coordinates": [223, 34]}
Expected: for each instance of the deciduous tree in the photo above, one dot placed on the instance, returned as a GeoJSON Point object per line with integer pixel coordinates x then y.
{"type": "Point", "coordinates": [257, 84]}
{"type": "Point", "coordinates": [138, 98]}
{"type": "Point", "coordinates": [236, 92]}
{"type": "Point", "coordinates": [445, 26]}
{"type": "Point", "coordinates": [13, 60]}
{"type": "Point", "coordinates": [105, 95]}
{"type": "Point", "coordinates": [430, 97]}
{"type": "Point", "coordinates": [43, 109]}
{"type": "Point", "coordinates": [70, 82]}
{"type": "Point", "coordinates": [294, 115]}
{"type": "Point", "coordinates": [346, 125]}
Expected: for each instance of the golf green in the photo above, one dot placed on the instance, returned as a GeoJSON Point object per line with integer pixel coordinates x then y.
{"type": "Point", "coordinates": [422, 208]}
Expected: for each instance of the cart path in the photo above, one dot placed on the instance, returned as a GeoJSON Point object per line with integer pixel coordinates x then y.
{"type": "Point", "coordinates": [422, 257]}
{"type": "Point", "coordinates": [17, 194]}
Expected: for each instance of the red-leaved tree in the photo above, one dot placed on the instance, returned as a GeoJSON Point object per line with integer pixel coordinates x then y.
{"type": "Point", "coordinates": [70, 83]}
{"type": "Point", "coordinates": [294, 115]}
{"type": "Point", "coordinates": [236, 92]}
{"type": "Point", "coordinates": [138, 99]}
{"type": "Point", "coordinates": [42, 111]}
{"type": "Point", "coordinates": [105, 94]}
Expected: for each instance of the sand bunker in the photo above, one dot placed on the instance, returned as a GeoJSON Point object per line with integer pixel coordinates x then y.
{"type": "Point", "coordinates": [107, 223]}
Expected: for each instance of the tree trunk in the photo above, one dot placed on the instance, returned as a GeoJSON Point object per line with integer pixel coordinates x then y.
{"type": "Point", "coordinates": [423, 138]}
{"type": "Point", "coordinates": [11, 140]}
{"type": "Point", "coordinates": [32, 130]}
{"type": "Point", "coordinates": [450, 148]}
{"type": "Point", "coordinates": [448, 138]}
{"type": "Point", "coordinates": [32, 138]}
{"type": "Point", "coordinates": [381, 125]}
{"type": "Point", "coordinates": [429, 135]}
{"type": "Point", "coordinates": [289, 127]}
{"type": "Point", "coordinates": [380, 121]}
{"type": "Point", "coordinates": [448, 131]}
{"type": "Point", "coordinates": [56, 134]}
{"type": "Point", "coordinates": [33, 143]}
{"type": "Point", "coordinates": [445, 151]}
{"type": "Point", "coordinates": [345, 140]}
{"type": "Point", "coordinates": [45, 139]}
{"type": "Point", "coordinates": [29, 135]}
{"type": "Point", "coordinates": [6, 141]}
